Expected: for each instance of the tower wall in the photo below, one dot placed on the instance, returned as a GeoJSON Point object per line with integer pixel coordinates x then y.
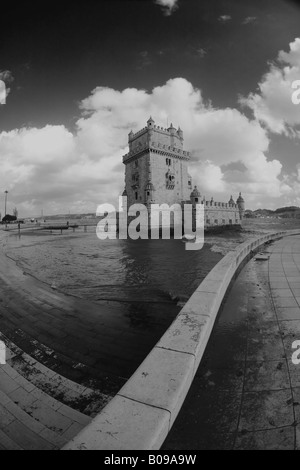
{"type": "Point", "coordinates": [137, 168]}
{"type": "Point", "coordinates": [156, 154]}
{"type": "Point", "coordinates": [178, 189]}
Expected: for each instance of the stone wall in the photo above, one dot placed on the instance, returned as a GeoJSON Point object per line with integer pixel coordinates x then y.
{"type": "Point", "coordinates": [136, 178]}
{"type": "Point", "coordinates": [221, 216]}
{"type": "Point", "coordinates": [141, 415]}
{"type": "Point", "coordinates": [176, 193]}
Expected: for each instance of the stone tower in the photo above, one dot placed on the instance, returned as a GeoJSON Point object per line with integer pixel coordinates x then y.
{"type": "Point", "coordinates": [156, 166]}
{"type": "Point", "coordinates": [195, 196]}
{"type": "Point", "coordinates": [241, 205]}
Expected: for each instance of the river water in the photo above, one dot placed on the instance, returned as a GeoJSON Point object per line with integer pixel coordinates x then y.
{"type": "Point", "coordinates": [79, 263]}
{"type": "Point", "coordinates": [143, 271]}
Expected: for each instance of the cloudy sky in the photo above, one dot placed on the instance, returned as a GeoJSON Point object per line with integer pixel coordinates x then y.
{"type": "Point", "coordinates": [80, 77]}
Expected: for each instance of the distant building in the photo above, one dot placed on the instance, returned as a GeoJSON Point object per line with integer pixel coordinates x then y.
{"type": "Point", "coordinates": [156, 171]}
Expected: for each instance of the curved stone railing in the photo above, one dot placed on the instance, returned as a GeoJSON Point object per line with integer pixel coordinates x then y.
{"type": "Point", "coordinates": [141, 415]}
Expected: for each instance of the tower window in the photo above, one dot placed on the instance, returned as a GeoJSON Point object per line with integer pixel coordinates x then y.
{"type": "Point", "coordinates": [136, 196]}
{"type": "Point", "coordinates": [196, 199]}
{"type": "Point", "coordinates": [148, 193]}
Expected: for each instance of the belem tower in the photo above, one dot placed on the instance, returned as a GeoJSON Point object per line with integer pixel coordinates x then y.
{"type": "Point", "coordinates": [156, 172]}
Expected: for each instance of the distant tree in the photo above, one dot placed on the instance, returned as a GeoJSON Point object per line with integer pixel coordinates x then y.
{"type": "Point", "coordinates": [287, 209]}
{"type": "Point", "coordinates": [9, 218]}
{"type": "Point", "coordinates": [15, 212]}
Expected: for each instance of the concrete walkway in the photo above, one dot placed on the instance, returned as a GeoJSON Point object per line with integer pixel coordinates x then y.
{"type": "Point", "coordinates": [65, 359]}
{"type": "Point", "coordinates": [246, 392]}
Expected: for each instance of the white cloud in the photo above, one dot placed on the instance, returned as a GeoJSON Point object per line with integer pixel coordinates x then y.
{"type": "Point", "coordinates": [273, 105]}
{"type": "Point", "coordinates": [53, 169]}
{"type": "Point", "coordinates": [249, 19]}
{"type": "Point", "coordinates": [6, 78]}
{"type": "Point", "coordinates": [224, 18]}
{"type": "Point", "coordinates": [201, 52]}
{"type": "Point", "coordinates": [168, 6]}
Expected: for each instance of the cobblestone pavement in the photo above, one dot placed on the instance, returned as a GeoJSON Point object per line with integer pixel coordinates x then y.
{"type": "Point", "coordinates": [246, 393]}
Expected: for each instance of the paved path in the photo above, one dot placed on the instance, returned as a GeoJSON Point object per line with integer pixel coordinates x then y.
{"type": "Point", "coordinates": [66, 358]}
{"type": "Point", "coordinates": [246, 393]}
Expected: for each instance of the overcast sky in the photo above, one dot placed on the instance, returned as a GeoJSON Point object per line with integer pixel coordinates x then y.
{"type": "Point", "coordinates": [80, 76]}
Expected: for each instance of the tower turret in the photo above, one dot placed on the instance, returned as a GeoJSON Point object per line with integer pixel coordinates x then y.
{"type": "Point", "coordinates": [130, 137]}
{"type": "Point", "coordinates": [180, 133]}
{"type": "Point", "coordinates": [231, 201]}
{"type": "Point", "coordinates": [241, 205]}
{"type": "Point", "coordinates": [150, 123]}
{"type": "Point", "coordinates": [195, 196]}
{"type": "Point", "coordinates": [172, 131]}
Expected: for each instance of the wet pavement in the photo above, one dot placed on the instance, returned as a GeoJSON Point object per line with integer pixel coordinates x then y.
{"type": "Point", "coordinates": [65, 359]}
{"type": "Point", "coordinates": [246, 392]}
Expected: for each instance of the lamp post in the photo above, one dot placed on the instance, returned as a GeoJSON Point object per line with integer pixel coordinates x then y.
{"type": "Point", "coordinates": [6, 193]}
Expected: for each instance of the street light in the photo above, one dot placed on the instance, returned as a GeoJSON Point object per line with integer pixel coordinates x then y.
{"type": "Point", "coordinates": [6, 193]}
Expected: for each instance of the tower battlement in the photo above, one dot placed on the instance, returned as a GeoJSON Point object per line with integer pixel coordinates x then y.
{"type": "Point", "coordinates": [167, 141]}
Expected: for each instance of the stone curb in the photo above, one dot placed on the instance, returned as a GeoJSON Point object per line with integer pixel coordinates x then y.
{"type": "Point", "coordinates": [141, 415]}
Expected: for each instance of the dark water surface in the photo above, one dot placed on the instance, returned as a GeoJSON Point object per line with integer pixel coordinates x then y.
{"type": "Point", "coordinates": [126, 270]}
{"type": "Point", "coordinates": [122, 270]}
